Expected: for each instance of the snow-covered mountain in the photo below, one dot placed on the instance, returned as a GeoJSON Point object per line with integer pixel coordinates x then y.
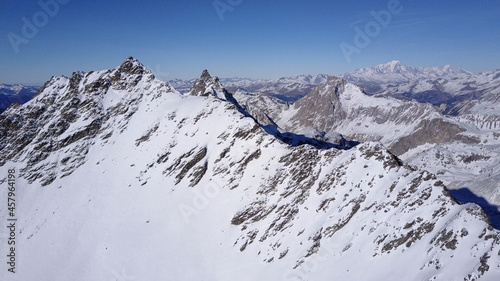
{"type": "Point", "coordinates": [340, 106]}
{"type": "Point", "coordinates": [17, 89]}
{"type": "Point", "coordinates": [121, 177]}
{"type": "Point", "coordinates": [288, 89]}
{"type": "Point", "coordinates": [16, 93]}
{"type": "Point", "coordinates": [396, 72]}
{"type": "Point", "coordinates": [444, 85]}
{"type": "Point", "coordinates": [435, 85]}
{"type": "Point", "coordinates": [417, 132]}
{"type": "Point", "coordinates": [472, 100]}
{"type": "Point", "coordinates": [483, 97]}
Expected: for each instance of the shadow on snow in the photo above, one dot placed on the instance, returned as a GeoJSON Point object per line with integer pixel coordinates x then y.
{"type": "Point", "coordinates": [464, 195]}
{"type": "Point", "coordinates": [297, 139]}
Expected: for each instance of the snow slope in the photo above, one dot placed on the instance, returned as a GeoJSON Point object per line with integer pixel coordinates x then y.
{"type": "Point", "coordinates": [120, 177]}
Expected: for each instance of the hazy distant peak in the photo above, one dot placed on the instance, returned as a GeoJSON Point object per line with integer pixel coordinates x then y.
{"type": "Point", "coordinates": [393, 65]}
{"type": "Point", "coordinates": [395, 72]}
{"type": "Point", "coordinates": [208, 85]}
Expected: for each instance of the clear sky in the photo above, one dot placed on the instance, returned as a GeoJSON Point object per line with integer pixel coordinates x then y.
{"type": "Point", "coordinates": [243, 38]}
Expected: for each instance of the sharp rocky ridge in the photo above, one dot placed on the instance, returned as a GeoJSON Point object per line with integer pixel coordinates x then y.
{"type": "Point", "coordinates": [120, 174]}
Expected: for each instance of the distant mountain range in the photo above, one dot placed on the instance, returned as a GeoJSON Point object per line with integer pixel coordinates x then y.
{"type": "Point", "coordinates": [396, 72]}
{"type": "Point", "coordinates": [435, 85]}
{"type": "Point", "coordinates": [16, 93]}
{"type": "Point", "coordinates": [287, 89]}
{"type": "Point", "coordinates": [457, 137]}
{"type": "Point", "coordinates": [440, 86]}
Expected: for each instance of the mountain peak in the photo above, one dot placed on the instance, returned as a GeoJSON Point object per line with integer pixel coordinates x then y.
{"type": "Point", "coordinates": [205, 75]}
{"type": "Point", "coordinates": [393, 64]}
{"type": "Point", "coordinates": [396, 72]}
{"type": "Point", "coordinates": [207, 85]}
{"type": "Point", "coordinates": [130, 73]}
{"type": "Point", "coordinates": [336, 81]}
{"type": "Point", "coordinates": [125, 142]}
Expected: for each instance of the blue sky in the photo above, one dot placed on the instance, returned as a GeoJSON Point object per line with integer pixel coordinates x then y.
{"type": "Point", "coordinates": [255, 39]}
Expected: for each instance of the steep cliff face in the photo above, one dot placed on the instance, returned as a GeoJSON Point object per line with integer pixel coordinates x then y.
{"type": "Point", "coordinates": [122, 177]}
{"type": "Point", "coordinates": [68, 115]}
{"type": "Point", "coordinates": [321, 109]}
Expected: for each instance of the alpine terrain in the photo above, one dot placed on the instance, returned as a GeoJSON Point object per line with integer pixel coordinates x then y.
{"type": "Point", "coordinates": [469, 161]}
{"type": "Point", "coordinates": [288, 89]}
{"type": "Point", "coordinates": [459, 139]}
{"type": "Point", "coordinates": [119, 176]}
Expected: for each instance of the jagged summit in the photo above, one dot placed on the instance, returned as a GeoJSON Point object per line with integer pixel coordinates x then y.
{"type": "Point", "coordinates": [207, 85]}
{"type": "Point", "coordinates": [337, 82]}
{"type": "Point", "coordinates": [67, 110]}
{"type": "Point", "coordinates": [126, 76]}
{"type": "Point", "coordinates": [130, 73]}
{"type": "Point", "coordinates": [205, 75]}
{"type": "Point", "coordinates": [133, 66]}
{"type": "Point", "coordinates": [102, 161]}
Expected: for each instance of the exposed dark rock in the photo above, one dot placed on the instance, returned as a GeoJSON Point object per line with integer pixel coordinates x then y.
{"type": "Point", "coordinates": [428, 131]}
